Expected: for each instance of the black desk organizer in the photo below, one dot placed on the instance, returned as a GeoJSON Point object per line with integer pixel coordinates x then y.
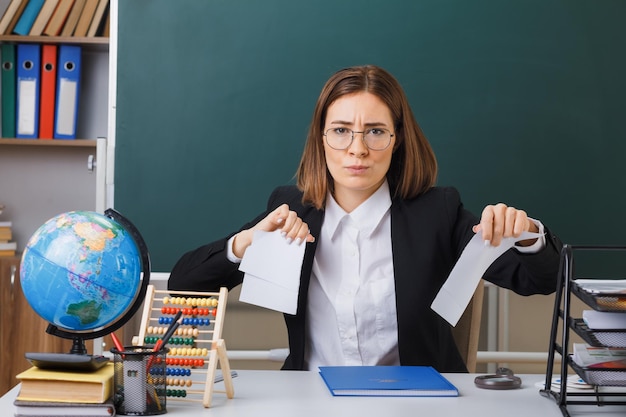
{"type": "Point", "coordinates": [599, 378]}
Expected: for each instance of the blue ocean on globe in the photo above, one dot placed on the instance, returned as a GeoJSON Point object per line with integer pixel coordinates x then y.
{"type": "Point", "coordinates": [80, 271]}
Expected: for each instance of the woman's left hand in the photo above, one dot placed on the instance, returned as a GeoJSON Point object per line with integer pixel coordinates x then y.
{"type": "Point", "coordinates": [501, 221]}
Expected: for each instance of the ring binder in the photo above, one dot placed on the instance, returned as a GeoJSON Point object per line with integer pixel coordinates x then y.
{"type": "Point", "coordinates": [28, 83]}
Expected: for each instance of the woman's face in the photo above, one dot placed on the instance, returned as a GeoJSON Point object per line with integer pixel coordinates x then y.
{"type": "Point", "coordinates": [357, 170]}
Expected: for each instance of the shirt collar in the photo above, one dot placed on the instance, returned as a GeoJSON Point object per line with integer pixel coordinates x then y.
{"type": "Point", "coordinates": [365, 217]}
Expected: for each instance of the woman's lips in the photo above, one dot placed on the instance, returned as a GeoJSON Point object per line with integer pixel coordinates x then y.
{"type": "Point", "coordinates": [356, 169]}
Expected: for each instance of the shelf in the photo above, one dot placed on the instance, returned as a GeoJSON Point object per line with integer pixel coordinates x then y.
{"type": "Point", "coordinates": [72, 143]}
{"type": "Point", "coordinates": [599, 338]}
{"type": "Point", "coordinates": [611, 377]}
{"type": "Point", "coordinates": [601, 302]}
{"type": "Point", "coordinates": [96, 42]}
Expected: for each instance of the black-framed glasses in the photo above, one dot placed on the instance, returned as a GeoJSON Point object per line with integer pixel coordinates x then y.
{"type": "Point", "coordinates": [375, 138]}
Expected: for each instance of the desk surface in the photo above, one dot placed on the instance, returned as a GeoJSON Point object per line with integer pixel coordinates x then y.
{"type": "Point", "coordinates": [304, 394]}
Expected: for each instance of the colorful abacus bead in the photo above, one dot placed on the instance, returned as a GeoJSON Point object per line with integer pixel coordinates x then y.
{"type": "Point", "coordinates": [150, 340]}
{"type": "Point", "coordinates": [157, 371]}
{"type": "Point", "coordinates": [176, 393]}
{"type": "Point", "coordinates": [178, 372]}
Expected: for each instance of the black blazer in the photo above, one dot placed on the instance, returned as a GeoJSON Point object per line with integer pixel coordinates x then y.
{"type": "Point", "coordinates": [428, 234]}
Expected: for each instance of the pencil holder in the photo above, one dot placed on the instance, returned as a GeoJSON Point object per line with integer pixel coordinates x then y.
{"type": "Point", "coordinates": [139, 381]}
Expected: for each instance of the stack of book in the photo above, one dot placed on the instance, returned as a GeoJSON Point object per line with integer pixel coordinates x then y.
{"type": "Point", "coordinates": [46, 392]}
{"type": "Point", "coordinates": [78, 18]}
{"type": "Point", "coordinates": [7, 246]}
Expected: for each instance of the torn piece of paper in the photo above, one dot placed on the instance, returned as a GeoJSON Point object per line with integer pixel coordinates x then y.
{"type": "Point", "coordinates": [272, 268]}
{"type": "Point", "coordinates": [267, 294]}
{"type": "Point", "coordinates": [457, 291]}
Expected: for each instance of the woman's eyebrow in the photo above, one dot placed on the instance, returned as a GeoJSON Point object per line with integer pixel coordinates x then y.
{"type": "Point", "coordinates": [368, 124]}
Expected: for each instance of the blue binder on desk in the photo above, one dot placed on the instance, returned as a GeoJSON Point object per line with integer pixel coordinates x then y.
{"type": "Point", "coordinates": [387, 381]}
{"type": "Point", "coordinates": [28, 73]}
{"type": "Point", "coordinates": [68, 89]}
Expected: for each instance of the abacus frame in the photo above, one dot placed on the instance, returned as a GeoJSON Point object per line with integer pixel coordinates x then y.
{"type": "Point", "coordinates": [216, 353]}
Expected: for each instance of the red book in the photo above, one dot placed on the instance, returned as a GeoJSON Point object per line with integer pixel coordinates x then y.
{"type": "Point", "coordinates": [48, 91]}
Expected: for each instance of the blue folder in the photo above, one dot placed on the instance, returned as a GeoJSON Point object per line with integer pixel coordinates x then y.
{"type": "Point", "coordinates": [387, 381]}
{"type": "Point", "coordinates": [28, 73]}
{"type": "Point", "coordinates": [68, 89]}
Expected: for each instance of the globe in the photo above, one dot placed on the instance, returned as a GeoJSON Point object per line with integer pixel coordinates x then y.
{"type": "Point", "coordinates": [82, 272]}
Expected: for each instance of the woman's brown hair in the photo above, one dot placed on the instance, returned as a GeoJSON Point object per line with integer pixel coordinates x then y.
{"type": "Point", "coordinates": [413, 168]}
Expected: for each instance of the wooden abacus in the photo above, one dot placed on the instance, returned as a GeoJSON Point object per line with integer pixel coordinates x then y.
{"type": "Point", "coordinates": [200, 332]}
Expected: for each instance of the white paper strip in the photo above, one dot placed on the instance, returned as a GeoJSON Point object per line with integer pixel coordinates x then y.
{"type": "Point", "coordinates": [457, 291]}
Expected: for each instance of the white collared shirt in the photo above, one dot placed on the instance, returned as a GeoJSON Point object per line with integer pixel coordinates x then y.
{"type": "Point", "coordinates": [351, 309]}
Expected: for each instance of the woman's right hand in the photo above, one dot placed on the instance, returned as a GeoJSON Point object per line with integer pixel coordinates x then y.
{"type": "Point", "coordinates": [287, 221]}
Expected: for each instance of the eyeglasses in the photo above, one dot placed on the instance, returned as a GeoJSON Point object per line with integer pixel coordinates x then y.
{"type": "Point", "coordinates": [340, 138]}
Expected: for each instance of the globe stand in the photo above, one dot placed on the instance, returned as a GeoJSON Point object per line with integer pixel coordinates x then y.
{"type": "Point", "coordinates": [78, 359]}
{"type": "Point", "coordinates": [67, 361]}
{"type": "Point", "coordinates": [78, 347]}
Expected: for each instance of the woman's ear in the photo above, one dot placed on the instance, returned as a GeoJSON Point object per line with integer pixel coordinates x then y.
{"type": "Point", "coordinates": [396, 144]}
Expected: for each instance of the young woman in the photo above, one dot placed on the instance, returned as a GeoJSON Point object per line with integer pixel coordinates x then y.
{"type": "Point", "coordinates": [380, 237]}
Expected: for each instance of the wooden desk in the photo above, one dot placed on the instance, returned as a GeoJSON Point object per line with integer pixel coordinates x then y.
{"type": "Point", "coordinates": [304, 394]}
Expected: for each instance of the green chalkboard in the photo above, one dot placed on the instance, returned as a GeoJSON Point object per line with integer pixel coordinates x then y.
{"type": "Point", "coordinates": [522, 100]}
